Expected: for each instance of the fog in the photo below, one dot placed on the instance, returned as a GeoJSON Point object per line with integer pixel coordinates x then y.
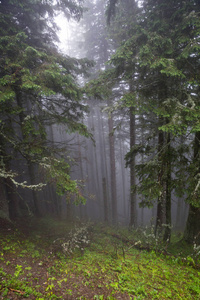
{"type": "Point", "coordinates": [92, 159]}
{"type": "Point", "coordinates": [91, 124]}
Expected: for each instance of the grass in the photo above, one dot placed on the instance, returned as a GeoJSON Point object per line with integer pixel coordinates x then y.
{"type": "Point", "coordinates": [102, 263]}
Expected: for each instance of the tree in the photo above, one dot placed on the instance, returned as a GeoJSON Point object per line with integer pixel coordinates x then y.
{"type": "Point", "coordinates": [162, 53]}
{"type": "Point", "coordinates": [98, 47]}
{"type": "Point", "coordinates": [126, 15]}
{"type": "Point", "coordinates": [38, 88]}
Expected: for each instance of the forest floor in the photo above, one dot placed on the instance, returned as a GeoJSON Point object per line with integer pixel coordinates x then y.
{"type": "Point", "coordinates": [48, 259]}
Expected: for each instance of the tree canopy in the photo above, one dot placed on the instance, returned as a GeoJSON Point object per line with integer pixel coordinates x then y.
{"type": "Point", "coordinates": [159, 55]}
{"type": "Point", "coordinates": [38, 87]}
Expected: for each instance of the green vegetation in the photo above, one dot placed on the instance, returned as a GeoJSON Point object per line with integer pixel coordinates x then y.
{"type": "Point", "coordinates": [38, 89]}
{"type": "Point", "coordinates": [103, 263]}
{"type": "Point", "coordinates": [149, 87]}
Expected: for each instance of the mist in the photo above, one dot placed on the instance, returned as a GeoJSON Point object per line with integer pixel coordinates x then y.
{"type": "Point", "coordinates": [97, 129]}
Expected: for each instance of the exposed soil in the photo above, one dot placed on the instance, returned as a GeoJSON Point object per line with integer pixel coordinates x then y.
{"type": "Point", "coordinates": [107, 264]}
{"type": "Point", "coordinates": [38, 271]}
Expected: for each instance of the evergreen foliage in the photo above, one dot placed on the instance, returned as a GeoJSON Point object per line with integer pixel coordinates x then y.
{"type": "Point", "coordinates": [38, 88]}
{"type": "Point", "coordinates": [159, 54]}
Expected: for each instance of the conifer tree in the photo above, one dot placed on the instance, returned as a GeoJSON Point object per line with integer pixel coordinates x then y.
{"type": "Point", "coordinates": [38, 88]}
{"type": "Point", "coordinates": [162, 55]}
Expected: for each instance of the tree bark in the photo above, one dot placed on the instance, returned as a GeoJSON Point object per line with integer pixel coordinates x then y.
{"type": "Point", "coordinates": [112, 171]}
{"type": "Point", "coordinates": [4, 208]}
{"type": "Point", "coordinates": [133, 210]}
{"type": "Point", "coordinates": [105, 200]}
{"type": "Point", "coordinates": [161, 198]}
{"type": "Point", "coordinates": [15, 202]}
{"type": "Point", "coordinates": [192, 230]}
{"type": "Point", "coordinates": [36, 202]}
{"type": "Point", "coordinates": [167, 234]}
{"type": "Point", "coordinates": [30, 165]}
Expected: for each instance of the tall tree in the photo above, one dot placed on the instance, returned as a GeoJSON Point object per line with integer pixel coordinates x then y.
{"type": "Point", "coordinates": [38, 88]}
{"type": "Point", "coordinates": [126, 15]}
{"type": "Point", "coordinates": [99, 48]}
{"type": "Point", "coordinates": [163, 51]}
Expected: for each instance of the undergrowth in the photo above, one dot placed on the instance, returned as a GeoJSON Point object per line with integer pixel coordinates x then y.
{"type": "Point", "coordinates": [55, 260]}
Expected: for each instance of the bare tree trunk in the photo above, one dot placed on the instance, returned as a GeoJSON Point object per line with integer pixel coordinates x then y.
{"type": "Point", "coordinates": [142, 159]}
{"type": "Point", "coordinates": [105, 200]}
{"type": "Point", "coordinates": [4, 209]}
{"type": "Point", "coordinates": [106, 171]}
{"type": "Point", "coordinates": [14, 200]}
{"type": "Point", "coordinates": [95, 172]}
{"type": "Point", "coordinates": [167, 234]}
{"type": "Point", "coordinates": [133, 210]}
{"type": "Point", "coordinates": [161, 198]}
{"type": "Point", "coordinates": [123, 178]}
{"type": "Point", "coordinates": [8, 201]}
{"type": "Point", "coordinates": [82, 209]}
{"type": "Point", "coordinates": [192, 230]}
{"type": "Point", "coordinates": [112, 171]}
{"type": "Point", "coordinates": [103, 166]}
{"type": "Point", "coordinates": [29, 163]}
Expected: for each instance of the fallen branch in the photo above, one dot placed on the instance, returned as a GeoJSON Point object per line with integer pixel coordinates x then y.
{"type": "Point", "coordinates": [17, 291]}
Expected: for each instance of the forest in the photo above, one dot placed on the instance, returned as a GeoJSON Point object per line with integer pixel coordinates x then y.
{"type": "Point", "coordinates": [99, 147]}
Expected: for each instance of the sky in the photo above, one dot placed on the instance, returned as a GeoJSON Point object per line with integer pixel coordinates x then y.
{"type": "Point", "coordinates": [64, 33]}
{"type": "Point", "coordinates": [71, 37]}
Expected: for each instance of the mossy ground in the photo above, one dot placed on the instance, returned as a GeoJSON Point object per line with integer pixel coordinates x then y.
{"type": "Point", "coordinates": [108, 268]}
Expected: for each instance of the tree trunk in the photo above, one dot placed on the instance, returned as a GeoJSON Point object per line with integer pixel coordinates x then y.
{"type": "Point", "coordinates": [123, 178]}
{"type": "Point", "coordinates": [106, 167]}
{"type": "Point", "coordinates": [4, 199]}
{"type": "Point", "coordinates": [167, 234]}
{"type": "Point", "coordinates": [112, 171]}
{"type": "Point", "coordinates": [192, 230]}
{"type": "Point", "coordinates": [93, 162]}
{"type": "Point", "coordinates": [15, 202]}
{"type": "Point", "coordinates": [161, 198]}
{"type": "Point", "coordinates": [30, 165]}
{"type": "Point", "coordinates": [133, 210]}
{"type": "Point", "coordinates": [4, 209]}
{"type": "Point", "coordinates": [105, 200]}
{"type": "Point", "coordinates": [36, 202]}
{"type": "Point", "coordinates": [69, 210]}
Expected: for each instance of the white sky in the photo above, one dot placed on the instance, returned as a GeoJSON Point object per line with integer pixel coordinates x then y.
{"type": "Point", "coordinates": [64, 34]}
{"type": "Point", "coordinates": [71, 37]}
